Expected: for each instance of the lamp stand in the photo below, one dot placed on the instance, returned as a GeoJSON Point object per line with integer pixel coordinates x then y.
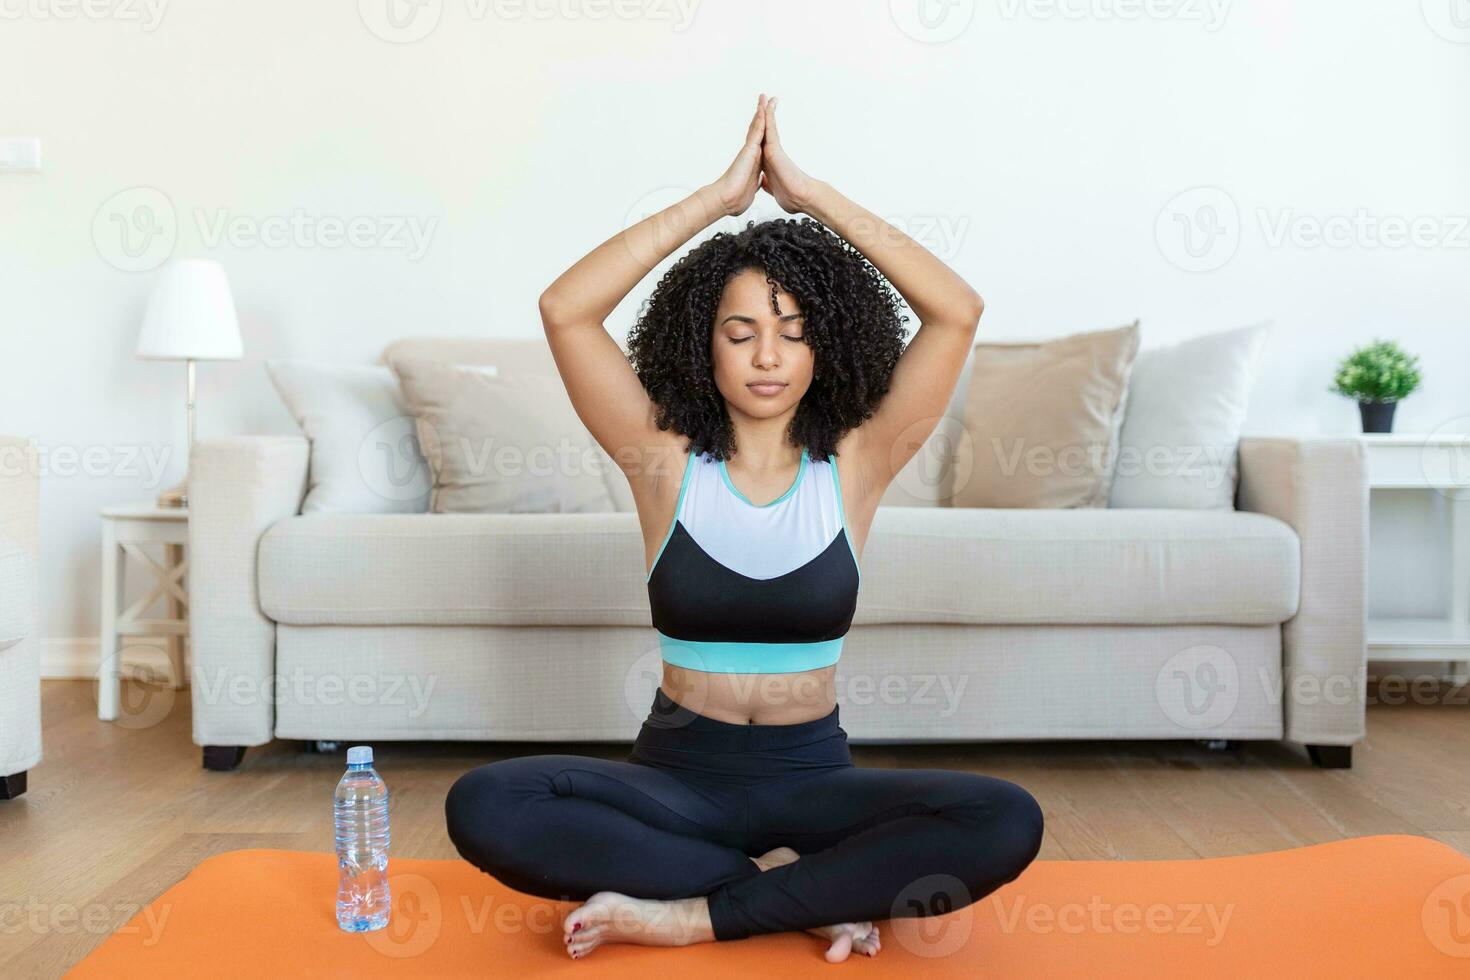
{"type": "Point", "coordinates": [178, 496]}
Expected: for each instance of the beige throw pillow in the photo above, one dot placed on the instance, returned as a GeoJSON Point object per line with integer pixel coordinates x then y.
{"type": "Point", "coordinates": [1043, 421]}
{"type": "Point", "coordinates": [501, 442]}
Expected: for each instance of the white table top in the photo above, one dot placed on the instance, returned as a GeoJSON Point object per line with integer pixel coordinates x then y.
{"type": "Point", "coordinates": [145, 510]}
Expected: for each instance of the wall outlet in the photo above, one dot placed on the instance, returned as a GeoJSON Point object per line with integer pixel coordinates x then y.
{"type": "Point", "coordinates": [20, 156]}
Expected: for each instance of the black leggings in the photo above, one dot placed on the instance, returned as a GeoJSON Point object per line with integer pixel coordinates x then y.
{"type": "Point", "coordinates": [699, 797]}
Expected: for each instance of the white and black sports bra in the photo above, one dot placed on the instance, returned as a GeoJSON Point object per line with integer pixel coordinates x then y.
{"type": "Point", "coordinates": [739, 587]}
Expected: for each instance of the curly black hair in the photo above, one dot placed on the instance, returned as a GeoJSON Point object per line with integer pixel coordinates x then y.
{"type": "Point", "coordinates": [851, 320]}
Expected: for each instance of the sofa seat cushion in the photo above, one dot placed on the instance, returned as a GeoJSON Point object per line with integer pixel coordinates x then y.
{"type": "Point", "coordinates": [16, 590]}
{"type": "Point", "coordinates": [920, 565]}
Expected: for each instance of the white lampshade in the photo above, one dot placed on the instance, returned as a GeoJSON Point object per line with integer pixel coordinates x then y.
{"type": "Point", "coordinates": [191, 314]}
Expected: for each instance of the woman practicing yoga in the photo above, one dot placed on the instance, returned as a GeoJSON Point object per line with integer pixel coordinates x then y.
{"type": "Point", "coordinates": [765, 410]}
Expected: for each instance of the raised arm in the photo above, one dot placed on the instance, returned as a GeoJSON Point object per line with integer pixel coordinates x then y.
{"type": "Point", "coordinates": [948, 309]}
{"type": "Point", "coordinates": [604, 388]}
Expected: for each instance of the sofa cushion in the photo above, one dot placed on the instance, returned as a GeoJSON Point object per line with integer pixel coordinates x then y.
{"type": "Point", "coordinates": [920, 565]}
{"type": "Point", "coordinates": [16, 589]}
{"type": "Point", "coordinates": [1043, 421]}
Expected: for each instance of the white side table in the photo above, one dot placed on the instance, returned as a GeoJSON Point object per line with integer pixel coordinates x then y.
{"type": "Point", "coordinates": [1440, 464]}
{"type": "Point", "coordinates": [126, 531]}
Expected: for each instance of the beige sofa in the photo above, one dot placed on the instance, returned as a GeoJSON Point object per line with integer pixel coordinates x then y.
{"type": "Point", "coordinates": [20, 649]}
{"type": "Point", "coordinates": [972, 624]}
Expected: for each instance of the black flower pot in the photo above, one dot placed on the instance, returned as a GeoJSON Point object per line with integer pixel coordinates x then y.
{"type": "Point", "coordinates": [1377, 416]}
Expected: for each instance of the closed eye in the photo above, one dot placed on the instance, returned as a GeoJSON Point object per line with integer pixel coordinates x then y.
{"type": "Point", "coordinates": [741, 340]}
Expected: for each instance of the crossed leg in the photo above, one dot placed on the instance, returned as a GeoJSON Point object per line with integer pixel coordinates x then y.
{"type": "Point", "coordinates": [566, 826]}
{"type": "Point", "coordinates": [876, 844]}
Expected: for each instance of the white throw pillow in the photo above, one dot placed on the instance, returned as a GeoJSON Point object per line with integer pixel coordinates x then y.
{"type": "Point", "coordinates": [365, 456]}
{"type": "Point", "coordinates": [1186, 405]}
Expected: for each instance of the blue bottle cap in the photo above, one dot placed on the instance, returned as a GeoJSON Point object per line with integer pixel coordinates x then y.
{"type": "Point", "coordinates": [360, 755]}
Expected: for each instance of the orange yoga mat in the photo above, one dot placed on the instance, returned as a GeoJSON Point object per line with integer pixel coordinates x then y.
{"type": "Point", "coordinates": [1376, 906]}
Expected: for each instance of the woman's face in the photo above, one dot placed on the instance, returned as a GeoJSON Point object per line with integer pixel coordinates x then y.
{"type": "Point", "coordinates": [752, 344]}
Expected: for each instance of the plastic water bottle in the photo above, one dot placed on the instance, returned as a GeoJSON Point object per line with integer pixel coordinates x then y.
{"type": "Point", "coordinates": [360, 812]}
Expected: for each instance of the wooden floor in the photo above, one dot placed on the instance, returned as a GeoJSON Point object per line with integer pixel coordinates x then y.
{"type": "Point", "coordinates": [118, 812]}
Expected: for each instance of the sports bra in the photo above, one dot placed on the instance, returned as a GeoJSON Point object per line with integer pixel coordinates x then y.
{"type": "Point", "coordinates": [745, 588]}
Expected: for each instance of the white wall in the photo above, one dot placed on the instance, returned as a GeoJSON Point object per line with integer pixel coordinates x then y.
{"type": "Point", "coordinates": [1038, 151]}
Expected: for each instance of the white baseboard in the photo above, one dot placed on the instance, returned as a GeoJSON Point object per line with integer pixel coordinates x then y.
{"type": "Point", "coordinates": [77, 658]}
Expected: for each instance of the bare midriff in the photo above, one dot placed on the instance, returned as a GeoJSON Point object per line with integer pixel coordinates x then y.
{"type": "Point", "coordinates": [755, 699]}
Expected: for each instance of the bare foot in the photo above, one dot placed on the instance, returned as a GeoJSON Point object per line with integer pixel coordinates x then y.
{"type": "Point", "coordinates": [849, 937]}
{"type": "Point", "coordinates": [846, 937]}
{"type": "Point", "coordinates": [775, 857]}
{"type": "Point", "coordinates": [612, 917]}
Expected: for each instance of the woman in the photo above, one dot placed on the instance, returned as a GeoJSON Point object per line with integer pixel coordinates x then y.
{"type": "Point", "coordinates": [739, 811]}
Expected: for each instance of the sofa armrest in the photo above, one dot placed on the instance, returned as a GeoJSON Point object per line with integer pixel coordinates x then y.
{"type": "Point", "coordinates": [20, 662]}
{"type": "Point", "coordinates": [238, 487]}
{"type": "Point", "coordinates": [1319, 486]}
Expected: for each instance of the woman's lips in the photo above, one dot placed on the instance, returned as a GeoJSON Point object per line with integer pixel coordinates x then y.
{"type": "Point", "coordinates": [767, 388]}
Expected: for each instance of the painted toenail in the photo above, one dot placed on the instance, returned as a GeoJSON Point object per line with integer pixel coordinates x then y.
{"type": "Point", "coordinates": [576, 927]}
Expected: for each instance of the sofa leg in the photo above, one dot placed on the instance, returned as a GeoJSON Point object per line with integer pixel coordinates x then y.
{"type": "Point", "coordinates": [1331, 756]}
{"type": "Point", "coordinates": [13, 785]}
{"type": "Point", "coordinates": [223, 758]}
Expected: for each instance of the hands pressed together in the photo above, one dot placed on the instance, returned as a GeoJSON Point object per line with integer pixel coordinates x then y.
{"type": "Point", "coordinates": [762, 163]}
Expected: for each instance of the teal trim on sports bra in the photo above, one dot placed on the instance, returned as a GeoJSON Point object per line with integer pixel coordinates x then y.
{"type": "Point", "coordinates": [842, 514]}
{"type": "Point", "coordinates": [749, 658]}
{"type": "Point", "coordinates": [800, 471]}
{"type": "Point", "coordinates": [678, 506]}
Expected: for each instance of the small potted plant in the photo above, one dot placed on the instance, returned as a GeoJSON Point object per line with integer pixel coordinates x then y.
{"type": "Point", "coordinates": [1378, 376]}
